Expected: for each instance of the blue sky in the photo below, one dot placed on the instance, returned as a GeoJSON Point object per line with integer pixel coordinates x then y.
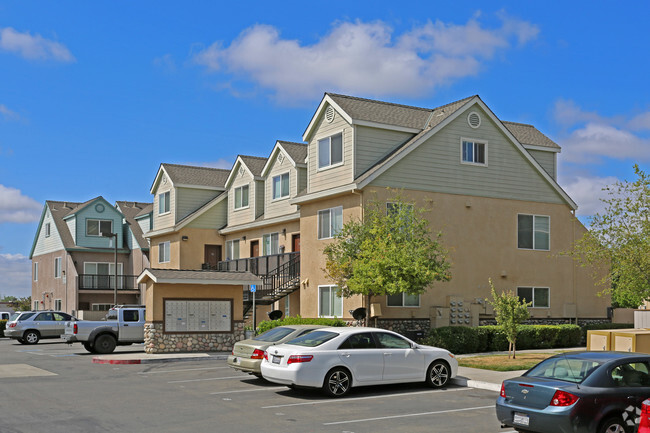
{"type": "Point", "coordinates": [95, 95]}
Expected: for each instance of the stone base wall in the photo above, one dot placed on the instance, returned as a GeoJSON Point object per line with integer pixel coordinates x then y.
{"type": "Point", "coordinates": [155, 341]}
{"type": "Point", "coordinates": [581, 322]}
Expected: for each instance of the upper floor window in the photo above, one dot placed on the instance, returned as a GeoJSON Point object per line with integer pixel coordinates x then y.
{"type": "Point", "coordinates": [163, 252]}
{"type": "Point", "coordinates": [97, 227]}
{"type": "Point", "coordinates": [57, 304]}
{"type": "Point", "coordinates": [403, 300]}
{"type": "Point", "coordinates": [232, 249]}
{"type": "Point", "coordinates": [270, 244]}
{"type": "Point", "coordinates": [330, 151]}
{"type": "Point", "coordinates": [330, 222]}
{"type": "Point", "coordinates": [57, 267]}
{"type": "Point", "coordinates": [474, 152]}
{"type": "Point", "coordinates": [47, 230]}
{"type": "Point", "coordinates": [534, 232]}
{"type": "Point", "coordinates": [539, 296]}
{"type": "Point", "coordinates": [35, 271]}
{"type": "Point", "coordinates": [241, 197]}
{"type": "Point", "coordinates": [163, 203]}
{"type": "Point", "coordinates": [281, 186]}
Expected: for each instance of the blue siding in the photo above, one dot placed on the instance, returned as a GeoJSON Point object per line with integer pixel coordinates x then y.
{"type": "Point", "coordinates": [91, 212]}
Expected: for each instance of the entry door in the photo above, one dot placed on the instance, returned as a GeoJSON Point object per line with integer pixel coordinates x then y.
{"type": "Point", "coordinates": [295, 242]}
{"type": "Point", "coordinates": [212, 255]}
{"type": "Point", "coordinates": [255, 248]}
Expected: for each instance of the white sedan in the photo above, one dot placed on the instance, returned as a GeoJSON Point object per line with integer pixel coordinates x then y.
{"type": "Point", "coordinates": [337, 359]}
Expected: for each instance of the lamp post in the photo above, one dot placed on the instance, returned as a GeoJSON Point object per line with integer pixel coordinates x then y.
{"type": "Point", "coordinates": [113, 235]}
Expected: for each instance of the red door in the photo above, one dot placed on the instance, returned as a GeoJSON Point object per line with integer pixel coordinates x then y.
{"type": "Point", "coordinates": [295, 242]}
{"type": "Point", "coordinates": [255, 248]}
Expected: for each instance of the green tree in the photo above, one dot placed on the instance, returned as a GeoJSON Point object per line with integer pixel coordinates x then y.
{"type": "Point", "coordinates": [390, 251]}
{"type": "Point", "coordinates": [509, 312]}
{"type": "Point", "coordinates": [22, 304]}
{"type": "Point", "coordinates": [619, 239]}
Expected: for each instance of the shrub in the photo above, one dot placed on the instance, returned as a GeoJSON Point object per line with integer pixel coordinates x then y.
{"type": "Point", "coordinates": [270, 324]}
{"type": "Point", "coordinates": [456, 339]}
{"type": "Point", "coordinates": [568, 336]}
{"type": "Point", "coordinates": [3, 326]}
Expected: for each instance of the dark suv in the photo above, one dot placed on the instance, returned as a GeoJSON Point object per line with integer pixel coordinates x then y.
{"type": "Point", "coordinates": [28, 327]}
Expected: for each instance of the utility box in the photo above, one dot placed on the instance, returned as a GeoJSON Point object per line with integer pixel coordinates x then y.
{"type": "Point", "coordinates": [634, 340]}
{"type": "Point", "coordinates": [600, 339]}
{"type": "Point", "coordinates": [439, 317]}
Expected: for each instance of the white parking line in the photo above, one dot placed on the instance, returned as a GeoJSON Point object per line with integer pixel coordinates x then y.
{"type": "Point", "coordinates": [409, 415]}
{"type": "Point", "coordinates": [274, 388]}
{"type": "Point", "coordinates": [183, 369]}
{"type": "Point", "coordinates": [347, 400]}
{"type": "Point", "coordinates": [211, 378]}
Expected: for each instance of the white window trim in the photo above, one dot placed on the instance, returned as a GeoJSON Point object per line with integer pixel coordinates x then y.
{"type": "Point", "coordinates": [58, 268]}
{"type": "Point", "coordinates": [48, 230]}
{"type": "Point", "coordinates": [338, 164]}
{"type": "Point", "coordinates": [35, 271]}
{"type": "Point", "coordinates": [270, 235]}
{"type": "Point", "coordinates": [169, 200]}
{"type": "Point", "coordinates": [108, 305]}
{"type": "Point", "coordinates": [282, 197]}
{"type": "Point", "coordinates": [533, 248]}
{"type": "Point", "coordinates": [169, 249]}
{"type": "Point", "coordinates": [404, 306]}
{"type": "Point", "coordinates": [533, 300]}
{"type": "Point", "coordinates": [318, 221]}
{"type": "Point", "coordinates": [120, 267]}
{"type": "Point", "coordinates": [342, 305]}
{"type": "Point", "coordinates": [229, 248]}
{"type": "Point", "coordinates": [234, 201]}
{"type": "Point", "coordinates": [474, 140]}
{"type": "Point", "coordinates": [99, 227]}
{"type": "Point", "coordinates": [60, 306]}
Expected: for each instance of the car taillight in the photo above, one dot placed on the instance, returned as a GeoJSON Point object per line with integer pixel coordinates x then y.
{"type": "Point", "coordinates": [258, 354]}
{"type": "Point", "coordinates": [76, 328]}
{"type": "Point", "coordinates": [503, 390]}
{"type": "Point", "coordinates": [563, 398]}
{"type": "Point", "coordinates": [266, 355]}
{"type": "Point", "coordinates": [299, 358]}
{"type": "Point", "coordinates": [13, 325]}
{"type": "Point", "coordinates": [644, 422]}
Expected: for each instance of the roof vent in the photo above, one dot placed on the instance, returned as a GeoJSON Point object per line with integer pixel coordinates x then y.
{"type": "Point", "coordinates": [474, 119]}
{"type": "Point", "coordinates": [329, 114]}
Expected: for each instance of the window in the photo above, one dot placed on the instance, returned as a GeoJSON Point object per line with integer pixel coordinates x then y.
{"type": "Point", "coordinates": [241, 197]}
{"type": "Point", "coordinates": [163, 252]}
{"type": "Point", "coordinates": [474, 152]}
{"type": "Point", "coordinates": [47, 230]}
{"type": "Point", "coordinates": [330, 151]}
{"type": "Point", "coordinates": [363, 340]}
{"type": "Point", "coordinates": [57, 267]}
{"type": "Point", "coordinates": [99, 275]}
{"type": "Point", "coordinates": [131, 315]}
{"type": "Point", "coordinates": [35, 306]}
{"type": "Point", "coordinates": [57, 304]}
{"type": "Point", "coordinates": [49, 317]}
{"type": "Point", "coordinates": [270, 244]}
{"type": "Point", "coordinates": [101, 307]}
{"type": "Point", "coordinates": [163, 203]}
{"type": "Point", "coordinates": [403, 300]}
{"type": "Point", "coordinates": [534, 232]}
{"type": "Point", "coordinates": [633, 374]}
{"type": "Point", "coordinates": [329, 303]}
{"type": "Point", "coordinates": [232, 249]}
{"type": "Point", "coordinates": [97, 227]}
{"type": "Point", "coordinates": [390, 341]}
{"type": "Point", "coordinates": [539, 296]}
{"type": "Point", "coordinates": [330, 222]}
{"type": "Point", "coordinates": [281, 186]}
{"type": "Point", "coordinates": [35, 271]}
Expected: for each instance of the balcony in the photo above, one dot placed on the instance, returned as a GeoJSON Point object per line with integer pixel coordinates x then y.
{"type": "Point", "coordinates": [107, 282]}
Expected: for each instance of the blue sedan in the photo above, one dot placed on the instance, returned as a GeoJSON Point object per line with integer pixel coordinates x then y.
{"type": "Point", "coordinates": [577, 392]}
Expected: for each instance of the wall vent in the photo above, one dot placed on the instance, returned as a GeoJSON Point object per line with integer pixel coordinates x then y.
{"type": "Point", "coordinates": [329, 114]}
{"type": "Point", "coordinates": [474, 119]}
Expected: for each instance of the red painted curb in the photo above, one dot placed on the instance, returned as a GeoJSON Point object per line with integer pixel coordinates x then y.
{"type": "Point", "coordinates": [116, 361]}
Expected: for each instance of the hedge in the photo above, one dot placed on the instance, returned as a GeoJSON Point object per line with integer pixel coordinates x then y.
{"type": "Point", "coordinates": [3, 325]}
{"type": "Point", "coordinates": [270, 324]}
{"type": "Point", "coordinates": [463, 339]}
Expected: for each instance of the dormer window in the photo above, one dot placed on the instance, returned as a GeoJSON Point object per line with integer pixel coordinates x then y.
{"type": "Point", "coordinates": [330, 151]}
{"type": "Point", "coordinates": [163, 203]}
{"type": "Point", "coordinates": [474, 152]}
{"type": "Point", "coordinates": [97, 227]}
{"type": "Point", "coordinates": [281, 186]}
{"type": "Point", "coordinates": [241, 197]}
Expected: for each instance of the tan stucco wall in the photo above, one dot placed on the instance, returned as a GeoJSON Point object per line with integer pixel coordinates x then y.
{"type": "Point", "coordinates": [189, 254]}
{"type": "Point", "coordinates": [291, 227]}
{"type": "Point", "coordinates": [156, 292]}
{"type": "Point", "coordinates": [475, 254]}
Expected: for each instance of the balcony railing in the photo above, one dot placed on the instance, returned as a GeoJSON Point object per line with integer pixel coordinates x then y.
{"type": "Point", "coordinates": [261, 265]}
{"type": "Point", "coordinates": [107, 282]}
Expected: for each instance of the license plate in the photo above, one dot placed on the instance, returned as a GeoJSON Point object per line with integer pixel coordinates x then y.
{"type": "Point", "coordinates": [237, 361]}
{"type": "Point", "coordinates": [276, 359]}
{"type": "Point", "coordinates": [521, 419]}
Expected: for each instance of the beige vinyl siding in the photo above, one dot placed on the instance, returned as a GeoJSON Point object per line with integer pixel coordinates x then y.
{"type": "Point", "coordinates": [281, 206]}
{"type": "Point", "coordinates": [214, 218]}
{"type": "Point", "coordinates": [328, 178]}
{"type": "Point", "coordinates": [72, 227]}
{"type": "Point", "coordinates": [546, 160]}
{"type": "Point", "coordinates": [372, 144]}
{"type": "Point", "coordinates": [51, 243]}
{"type": "Point", "coordinates": [166, 220]}
{"type": "Point", "coordinates": [245, 215]}
{"type": "Point", "coordinates": [301, 174]}
{"type": "Point", "coordinates": [144, 224]}
{"type": "Point", "coordinates": [189, 200]}
{"type": "Point", "coordinates": [435, 166]}
{"type": "Point", "coordinates": [259, 198]}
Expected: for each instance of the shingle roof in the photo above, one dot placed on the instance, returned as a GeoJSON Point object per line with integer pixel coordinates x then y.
{"type": "Point", "coordinates": [200, 176]}
{"type": "Point", "coordinates": [297, 151]}
{"type": "Point", "coordinates": [528, 134]}
{"type": "Point", "coordinates": [132, 210]}
{"type": "Point", "coordinates": [60, 210]}
{"type": "Point", "coordinates": [204, 276]}
{"type": "Point", "coordinates": [254, 163]}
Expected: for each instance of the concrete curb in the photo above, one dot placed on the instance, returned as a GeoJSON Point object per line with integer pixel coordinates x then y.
{"type": "Point", "coordinates": [479, 384]}
{"type": "Point", "coordinates": [118, 359]}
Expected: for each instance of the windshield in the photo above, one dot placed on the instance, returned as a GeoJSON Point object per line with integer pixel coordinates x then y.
{"type": "Point", "coordinates": [570, 370]}
{"type": "Point", "coordinates": [273, 335]}
{"type": "Point", "coordinates": [313, 339]}
{"type": "Point", "coordinates": [111, 315]}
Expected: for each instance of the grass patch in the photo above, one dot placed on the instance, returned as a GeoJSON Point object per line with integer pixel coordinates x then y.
{"type": "Point", "coordinates": [524, 361]}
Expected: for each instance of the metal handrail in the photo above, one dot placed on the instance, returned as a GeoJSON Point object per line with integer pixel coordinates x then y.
{"type": "Point", "coordinates": [106, 282]}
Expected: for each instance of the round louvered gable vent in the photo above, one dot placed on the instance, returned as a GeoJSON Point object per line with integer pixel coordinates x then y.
{"type": "Point", "coordinates": [329, 114]}
{"type": "Point", "coordinates": [474, 119]}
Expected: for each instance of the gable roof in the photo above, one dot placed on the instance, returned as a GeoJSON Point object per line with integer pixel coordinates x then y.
{"type": "Point", "coordinates": [192, 176]}
{"type": "Point", "coordinates": [528, 135]}
{"type": "Point", "coordinates": [296, 152]}
{"type": "Point", "coordinates": [175, 276]}
{"type": "Point", "coordinates": [253, 164]}
{"type": "Point", "coordinates": [131, 211]}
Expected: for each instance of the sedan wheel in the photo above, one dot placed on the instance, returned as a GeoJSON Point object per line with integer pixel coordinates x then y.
{"type": "Point", "coordinates": [31, 337]}
{"type": "Point", "coordinates": [438, 374]}
{"type": "Point", "coordinates": [337, 382]}
{"type": "Point", "coordinates": [612, 425]}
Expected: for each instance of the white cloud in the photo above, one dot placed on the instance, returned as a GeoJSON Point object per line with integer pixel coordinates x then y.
{"type": "Point", "coordinates": [587, 192]}
{"type": "Point", "coordinates": [16, 271]}
{"type": "Point", "coordinates": [166, 63]}
{"type": "Point", "coordinates": [8, 114]}
{"type": "Point", "coordinates": [363, 57]}
{"type": "Point", "coordinates": [33, 47]}
{"type": "Point", "coordinates": [18, 208]}
{"type": "Point", "coordinates": [640, 122]}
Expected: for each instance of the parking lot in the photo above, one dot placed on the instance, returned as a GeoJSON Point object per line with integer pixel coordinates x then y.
{"type": "Point", "coordinates": [52, 387]}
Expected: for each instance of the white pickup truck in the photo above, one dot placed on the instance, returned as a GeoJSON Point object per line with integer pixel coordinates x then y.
{"type": "Point", "coordinates": [124, 324]}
